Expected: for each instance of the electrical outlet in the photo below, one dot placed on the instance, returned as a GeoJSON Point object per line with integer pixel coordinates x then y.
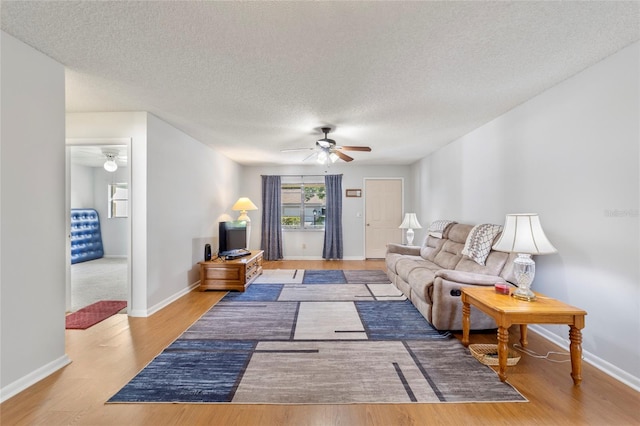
{"type": "Point", "coordinates": [304, 246]}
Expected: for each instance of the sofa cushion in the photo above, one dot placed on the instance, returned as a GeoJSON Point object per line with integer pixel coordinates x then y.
{"type": "Point", "coordinates": [479, 242]}
{"type": "Point", "coordinates": [421, 283]}
{"type": "Point", "coordinates": [507, 272]}
{"type": "Point", "coordinates": [396, 252]}
{"type": "Point", "coordinates": [402, 285]}
{"type": "Point", "coordinates": [408, 263]}
{"type": "Point", "coordinates": [431, 247]}
{"type": "Point", "coordinates": [469, 277]}
{"type": "Point", "coordinates": [493, 264]}
{"type": "Point", "coordinates": [449, 255]}
{"type": "Point", "coordinates": [391, 259]}
{"type": "Point", "coordinates": [458, 232]}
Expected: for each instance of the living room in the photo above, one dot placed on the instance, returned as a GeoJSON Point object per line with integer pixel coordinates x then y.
{"type": "Point", "coordinates": [570, 153]}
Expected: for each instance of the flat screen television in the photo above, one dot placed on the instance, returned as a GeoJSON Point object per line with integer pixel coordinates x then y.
{"type": "Point", "coordinates": [232, 235]}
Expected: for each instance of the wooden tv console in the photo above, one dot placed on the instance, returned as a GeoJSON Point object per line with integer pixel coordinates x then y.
{"type": "Point", "coordinates": [234, 274]}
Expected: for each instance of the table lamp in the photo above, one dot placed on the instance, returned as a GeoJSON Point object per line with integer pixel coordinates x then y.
{"type": "Point", "coordinates": [243, 204]}
{"type": "Point", "coordinates": [523, 234]}
{"type": "Point", "coordinates": [410, 223]}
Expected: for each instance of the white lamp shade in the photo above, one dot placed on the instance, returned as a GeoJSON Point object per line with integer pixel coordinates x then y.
{"type": "Point", "coordinates": [523, 233]}
{"type": "Point", "coordinates": [244, 203]}
{"type": "Point", "coordinates": [410, 222]}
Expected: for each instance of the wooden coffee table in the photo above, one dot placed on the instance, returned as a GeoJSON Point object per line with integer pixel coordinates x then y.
{"type": "Point", "coordinates": [506, 311]}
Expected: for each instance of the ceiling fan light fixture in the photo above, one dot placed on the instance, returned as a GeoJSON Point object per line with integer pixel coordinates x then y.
{"type": "Point", "coordinates": [322, 157]}
{"type": "Point", "coordinates": [325, 142]}
{"type": "Point", "coordinates": [327, 152]}
{"type": "Point", "coordinates": [110, 164]}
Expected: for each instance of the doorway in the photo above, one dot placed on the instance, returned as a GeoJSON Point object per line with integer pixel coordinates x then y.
{"type": "Point", "coordinates": [383, 215]}
{"type": "Point", "coordinates": [98, 177]}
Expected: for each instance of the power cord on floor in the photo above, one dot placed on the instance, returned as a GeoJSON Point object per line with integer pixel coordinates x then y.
{"type": "Point", "coordinates": [533, 354]}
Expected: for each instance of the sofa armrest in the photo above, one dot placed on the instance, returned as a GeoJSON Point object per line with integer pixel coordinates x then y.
{"type": "Point", "coordinates": [469, 278]}
{"type": "Point", "coordinates": [402, 249]}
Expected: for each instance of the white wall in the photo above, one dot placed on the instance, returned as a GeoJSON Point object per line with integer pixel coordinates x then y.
{"type": "Point", "coordinates": [352, 224]}
{"type": "Point", "coordinates": [32, 213]}
{"type": "Point", "coordinates": [81, 187]}
{"type": "Point", "coordinates": [572, 155]}
{"type": "Point", "coordinates": [189, 187]}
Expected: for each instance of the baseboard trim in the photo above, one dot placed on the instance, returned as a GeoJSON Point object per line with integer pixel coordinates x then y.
{"type": "Point", "coordinates": [32, 378]}
{"type": "Point", "coordinates": [602, 365]}
{"type": "Point", "coordinates": [164, 303]}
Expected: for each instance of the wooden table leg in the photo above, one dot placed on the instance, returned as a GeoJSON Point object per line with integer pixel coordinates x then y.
{"type": "Point", "coordinates": [466, 321]}
{"type": "Point", "coordinates": [503, 351]}
{"type": "Point", "coordinates": [523, 335]}
{"type": "Point", "coordinates": [575, 336]}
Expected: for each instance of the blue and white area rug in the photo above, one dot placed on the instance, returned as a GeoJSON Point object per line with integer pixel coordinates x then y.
{"type": "Point", "coordinates": [315, 337]}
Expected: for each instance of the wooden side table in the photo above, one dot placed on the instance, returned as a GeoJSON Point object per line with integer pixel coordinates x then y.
{"type": "Point", "coordinates": [506, 310]}
{"type": "Point", "coordinates": [230, 274]}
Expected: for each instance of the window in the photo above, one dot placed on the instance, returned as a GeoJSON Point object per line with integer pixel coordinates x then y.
{"type": "Point", "coordinates": [303, 202]}
{"type": "Point", "coordinates": [118, 200]}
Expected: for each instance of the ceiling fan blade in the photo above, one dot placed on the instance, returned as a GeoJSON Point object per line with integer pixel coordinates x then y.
{"type": "Point", "coordinates": [310, 156]}
{"type": "Point", "coordinates": [296, 149]}
{"type": "Point", "coordinates": [343, 156]}
{"type": "Point", "coordinates": [356, 148]}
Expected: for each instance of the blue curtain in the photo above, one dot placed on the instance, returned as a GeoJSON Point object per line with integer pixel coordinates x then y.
{"type": "Point", "coordinates": [333, 219]}
{"type": "Point", "coordinates": [271, 241]}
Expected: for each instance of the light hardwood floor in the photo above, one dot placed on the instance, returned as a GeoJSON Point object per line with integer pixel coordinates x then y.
{"type": "Point", "coordinates": [106, 356]}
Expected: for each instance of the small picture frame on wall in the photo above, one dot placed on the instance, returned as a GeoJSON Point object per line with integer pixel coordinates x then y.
{"type": "Point", "coordinates": [354, 192]}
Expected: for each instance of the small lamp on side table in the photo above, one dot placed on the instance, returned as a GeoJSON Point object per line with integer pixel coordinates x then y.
{"type": "Point", "coordinates": [523, 234]}
{"type": "Point", "coordinates": [410, 223]}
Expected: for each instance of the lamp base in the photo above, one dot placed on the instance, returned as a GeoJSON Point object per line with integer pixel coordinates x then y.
{"type": "Point", "coordinates": [524, 269]}
{"type": "Point", "coordinates": [244, 217]}
{"type": "Point", "coordinates": [410, 235]}
{"type": "Point", "coordinates": [524, 296]}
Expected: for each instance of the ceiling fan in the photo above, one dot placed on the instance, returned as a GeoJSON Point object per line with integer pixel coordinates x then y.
{"type": "Point", "coordinates": [327, 151]}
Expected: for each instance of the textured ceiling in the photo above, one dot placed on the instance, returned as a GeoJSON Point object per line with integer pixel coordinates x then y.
{"type": "Point", "coordinates": [252, 78]}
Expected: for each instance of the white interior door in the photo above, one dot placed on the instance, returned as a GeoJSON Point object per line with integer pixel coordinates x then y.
{"type": "Point", "coordinates": [383, 215]}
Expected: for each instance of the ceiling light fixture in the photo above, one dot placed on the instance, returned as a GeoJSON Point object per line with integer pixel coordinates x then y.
{"type": "Point", "coordinates": [110, 165]}
{"type": "Point", "coordinates": [327, 152]}
{"type": "Point", "coordinates": [323, 156]}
